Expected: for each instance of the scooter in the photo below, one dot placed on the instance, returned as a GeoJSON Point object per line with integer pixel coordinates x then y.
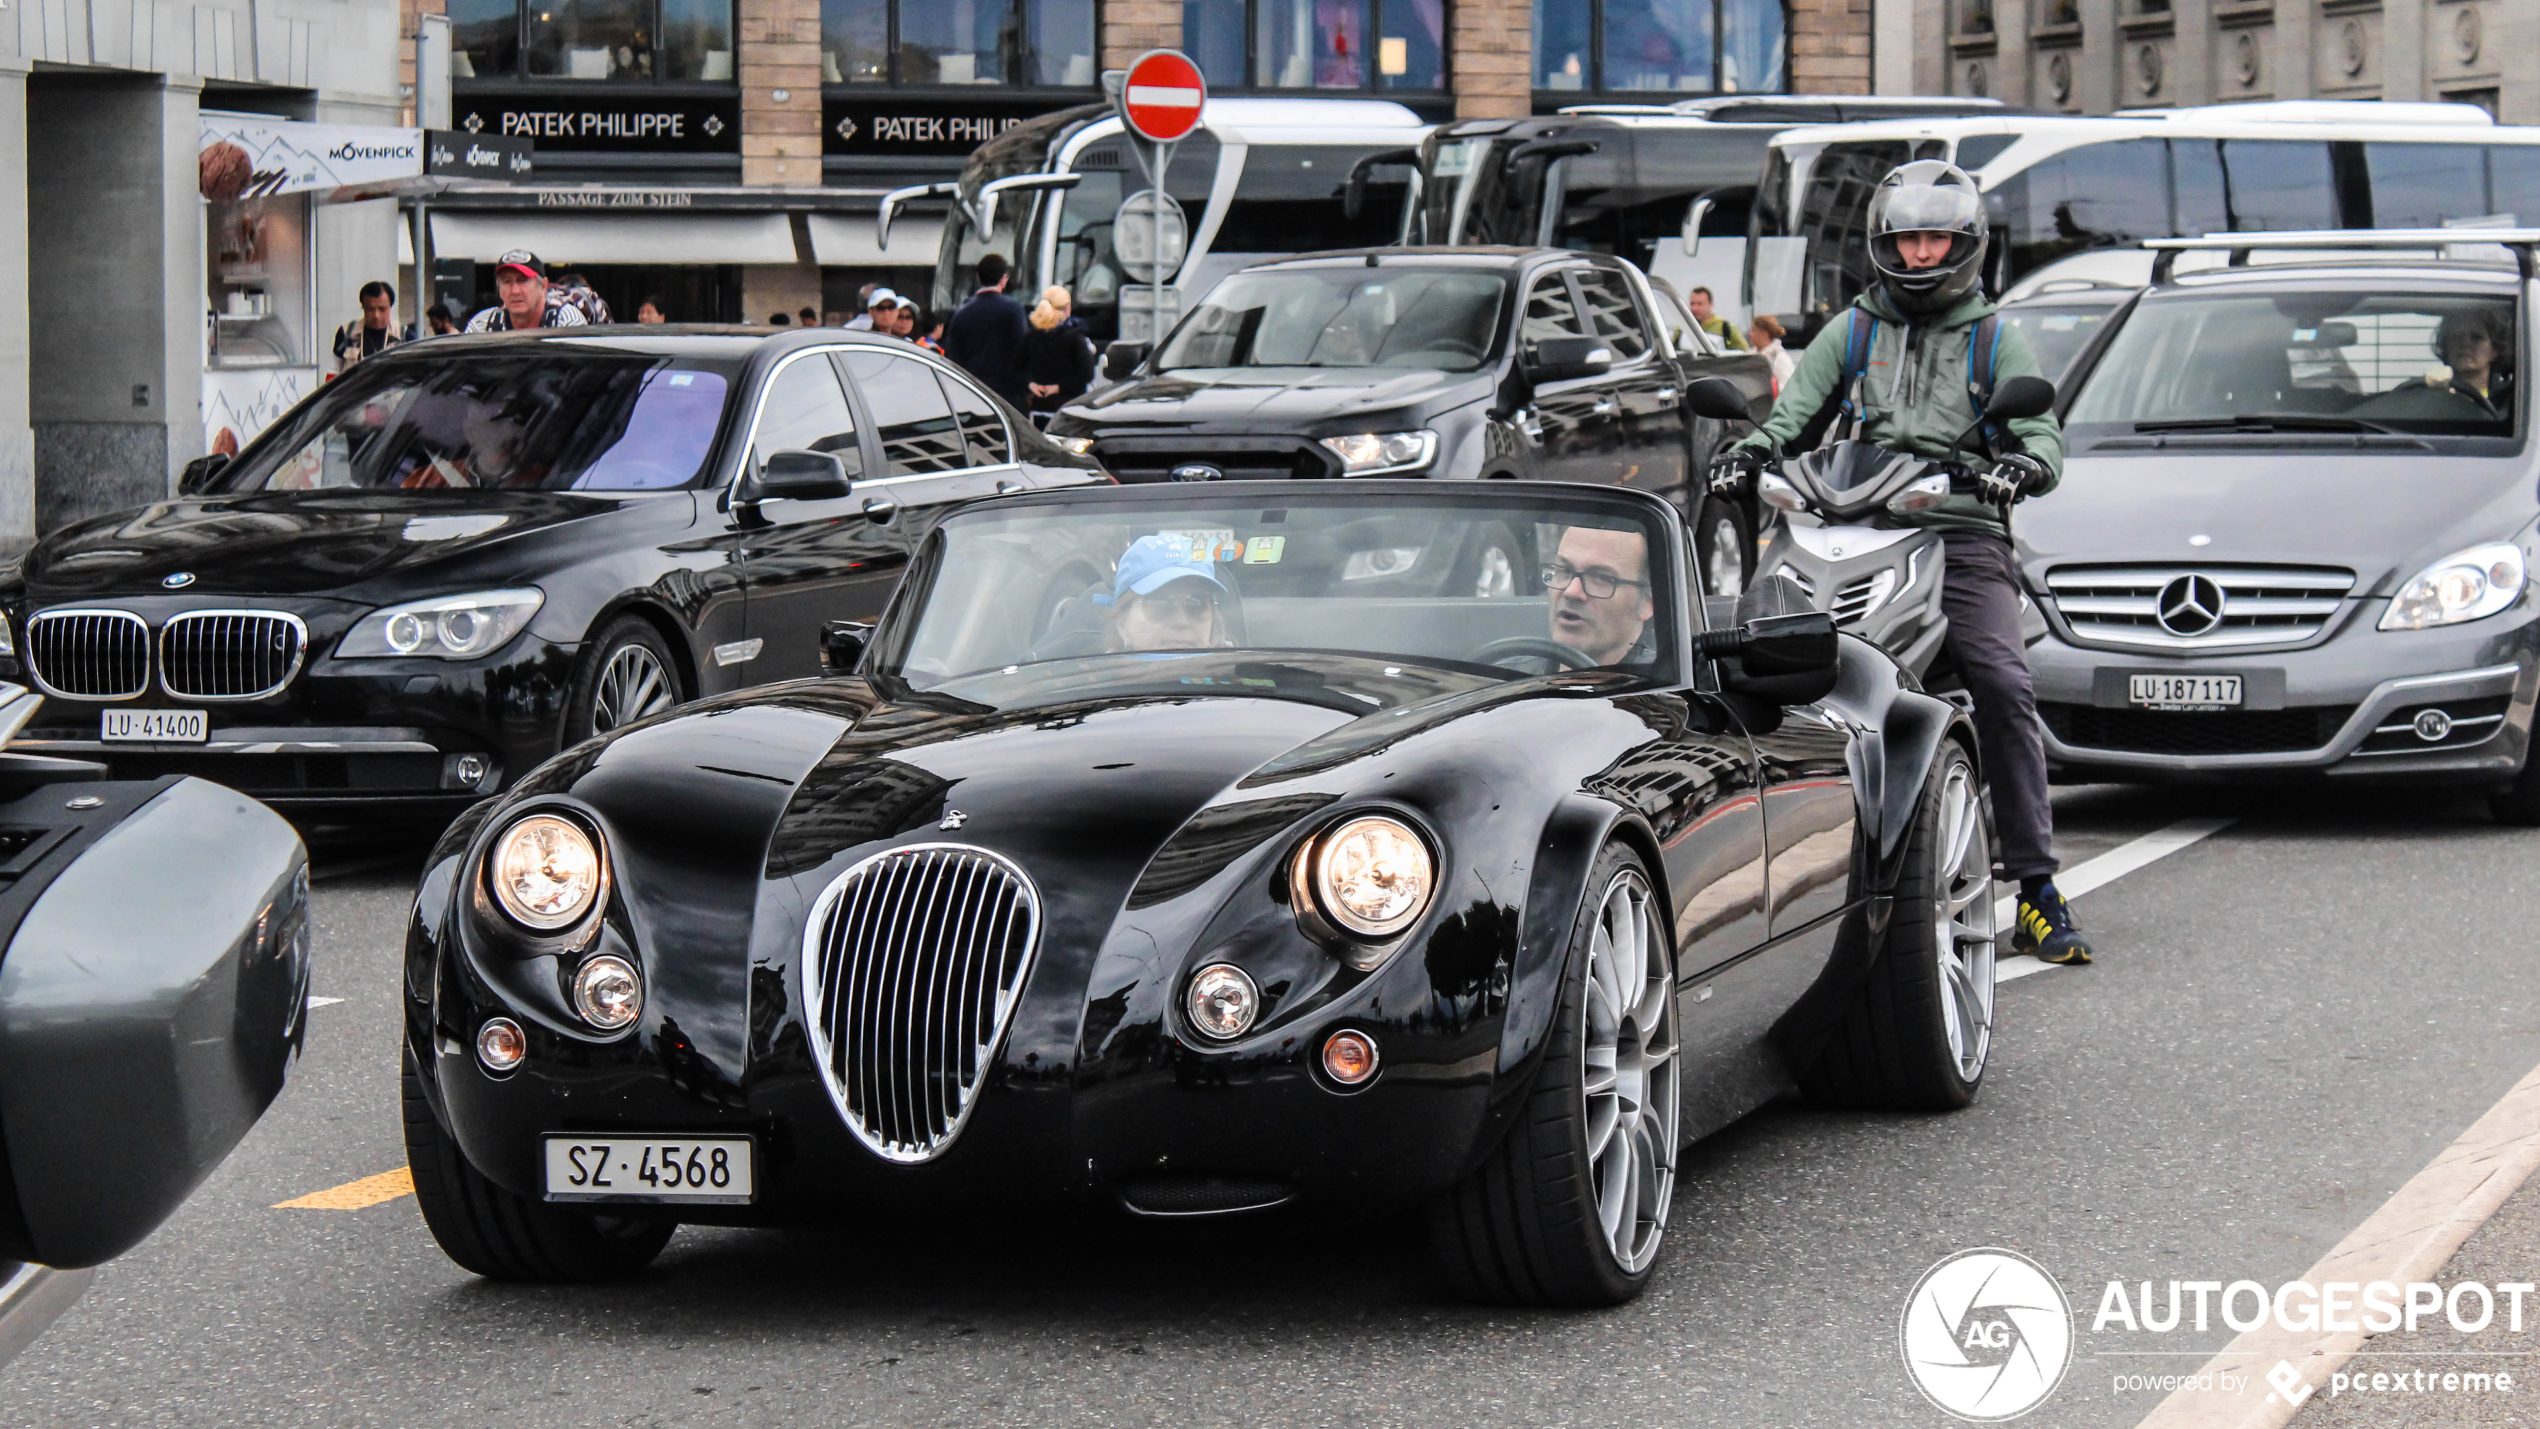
{"type": "Point", "coordinates": [1841, 545]}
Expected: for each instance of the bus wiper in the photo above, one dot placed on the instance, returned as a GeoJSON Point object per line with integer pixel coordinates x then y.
{"type": "Point", "coordinates": [2265, 422]}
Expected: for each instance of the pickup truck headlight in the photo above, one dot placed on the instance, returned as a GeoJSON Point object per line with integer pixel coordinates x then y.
{"type": "Point", "coordinates": [1074, 446]}
{"type": "Point", "coordinates": [1383, 453]}
{"type": "Point", "coordinates": [2463, 586]}
{"type": "Point", "coordinates": [450, 627]}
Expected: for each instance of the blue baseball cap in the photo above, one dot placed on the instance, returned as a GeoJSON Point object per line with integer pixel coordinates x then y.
{"type": "Point", "coordinates": [1153, 562]}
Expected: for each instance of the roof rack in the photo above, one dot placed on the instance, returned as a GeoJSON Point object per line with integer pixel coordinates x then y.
{"type": "Point", "coordinates": [2520, 241]}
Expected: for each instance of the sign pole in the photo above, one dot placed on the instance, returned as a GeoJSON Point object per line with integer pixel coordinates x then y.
{"type": "Point", "coordinates": [1160, 99]}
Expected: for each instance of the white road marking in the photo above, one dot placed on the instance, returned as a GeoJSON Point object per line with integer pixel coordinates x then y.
{"type": "Point", "coordinates": [2411, 1238]}
{"type": "Point", "coordinates": [2099, 872]}
{"type": "Point", "coordinates": [317, 1002]}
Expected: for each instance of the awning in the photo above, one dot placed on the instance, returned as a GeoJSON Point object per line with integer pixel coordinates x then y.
{"type": "Point", "coordinates": [620, 236]}
{"type": "Point", "coordinates": [846, 241]}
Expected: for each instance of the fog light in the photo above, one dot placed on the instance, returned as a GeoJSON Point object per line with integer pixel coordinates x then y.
{"type": "Point", "coordinates": [607, 992]}
{"type": "Point", "coordinates": [2433, 725]}
{"type": "Point", "coordinates": [1349, 1058]}
{"type": "Point", "coordinates": [473, 773]}
{"type": "Point", "coordinates": [1223, 1001]}
{"type": "Point", "coordinates": [500, 1044]}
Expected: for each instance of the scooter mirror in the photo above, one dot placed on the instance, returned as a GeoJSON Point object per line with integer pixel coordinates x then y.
{"type": "Point", "coordinates": [1719, 399]}
{"type": "Point", "coordinates": [2023, 396]}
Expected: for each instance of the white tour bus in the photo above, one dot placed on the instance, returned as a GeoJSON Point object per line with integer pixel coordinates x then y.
{"type": "Point", "coordinates": [2062, 191]}
{"type": "Point", "coordinates": [1260, 178]}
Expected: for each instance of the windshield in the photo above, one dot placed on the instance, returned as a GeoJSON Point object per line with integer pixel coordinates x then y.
{"type": "Point", "coordinates": [2057, 332]}
{"type": "Point", "coordinates": [2419, 363]}
{"type": "Point", "coordinates": [1099, 595]}
{"type": "Point", "coordinates": [541, 420]}
{"type": "Point", "coordinates": [1352, 316]}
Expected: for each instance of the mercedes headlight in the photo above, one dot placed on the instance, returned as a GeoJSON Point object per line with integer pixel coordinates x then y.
{"type": "Point", "coordinates": [2466, 585]}
{"type": "Point", "coordinates": [1381, 453]}
{"type": "Point", "coordinates": [1369, 877]}
{"type": "Point", "coordinates": [546, 871]}
{"type": "Point", "coordinates": [450, 627]}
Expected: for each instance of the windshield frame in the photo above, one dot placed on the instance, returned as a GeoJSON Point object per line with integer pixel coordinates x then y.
{"type": "Point", "coordinates": [1501, 321]}
{"type": "Point", "coordinates": [897, 631]}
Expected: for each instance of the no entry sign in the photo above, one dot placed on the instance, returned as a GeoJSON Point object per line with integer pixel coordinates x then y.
{"type": "Point", "coordinates": [1161, 97]}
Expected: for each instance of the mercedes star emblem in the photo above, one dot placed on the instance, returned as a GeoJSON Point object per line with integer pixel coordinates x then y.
{"type": "Point", "coordinates": [2190, 606]}
{"type": "Point", "coordinates": [953, 819]}
{"type": "Point", "coordinates": [177, 581]}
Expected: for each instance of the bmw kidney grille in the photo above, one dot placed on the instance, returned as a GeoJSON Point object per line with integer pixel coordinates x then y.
{"type": "Point", "coordinates": [89, 654]}
{"type": "Point", "coordinates": [912, 963]}
{"type": "Point", "coordinates": [230, 654]}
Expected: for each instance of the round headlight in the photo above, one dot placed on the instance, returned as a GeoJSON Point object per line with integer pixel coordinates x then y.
{"type": "Point", "coordinates": [607, 992]}
{"type": "Point", "coordinates": [1373, 876]}
{"type": "Point", "coordinates": [546, 872]}
{"type": "Point", "coordinates": [500, 1044]}
{"type": "Point", "coordinates": [1223, 1001]}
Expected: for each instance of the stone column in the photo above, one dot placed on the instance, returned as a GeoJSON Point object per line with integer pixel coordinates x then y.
{"type": "Point", "coordinates": [2192, 52]}
{"type": "Point", "coordinates": [1491, 58]}
{"type": "Point", "coordinates": [17, 433]}
{"type": "Point", "coordinates": [2095, 81]}
{"type": "Point", "coordinates": [780, 56]}
{"type": "Point", "coordinates": [1130, 28]}
{"type": "Point", "coordinates": [2402, 60]}
{"type": "Point", "coordinates": [1830, 46]}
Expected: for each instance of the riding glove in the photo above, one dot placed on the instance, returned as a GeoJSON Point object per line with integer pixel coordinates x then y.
{"type": "Point", "coordinates": [2011, 478]}
{"type": "Point", "coordinates": [1733, 471]}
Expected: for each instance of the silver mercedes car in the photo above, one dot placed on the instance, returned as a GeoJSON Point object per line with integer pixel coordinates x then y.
{"type": "Point", "coordinates": [2295, 533]}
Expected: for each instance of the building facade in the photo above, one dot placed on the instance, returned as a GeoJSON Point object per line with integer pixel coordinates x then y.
{"type": "Point", "coordinates": [2099, 56]}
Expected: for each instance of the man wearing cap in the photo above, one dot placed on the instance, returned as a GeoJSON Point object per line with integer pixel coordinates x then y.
{"type": "Point", "coordinates": [520, 280]}
{"type": "Point", "coordinates": [1164, 599]}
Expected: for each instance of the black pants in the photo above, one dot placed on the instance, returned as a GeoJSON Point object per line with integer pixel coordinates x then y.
{"type": "Point", "coordinates": [1981, 597]}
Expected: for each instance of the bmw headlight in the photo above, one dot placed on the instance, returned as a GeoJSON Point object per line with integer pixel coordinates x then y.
{"type": "Point", "coordinates": [2466, 585]}
{"type": "Point", "coordinates": [450, 627]}
{"type": "Point", "coordinates": [1380, 453]}
{"type": "Point", "coordinates": [1369, 877]}
{"type": "Point", "coordinates": [546, 872]}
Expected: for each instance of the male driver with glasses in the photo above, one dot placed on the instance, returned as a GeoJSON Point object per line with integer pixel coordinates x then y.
{"type": "Point", "coordinates": [1599, 584]}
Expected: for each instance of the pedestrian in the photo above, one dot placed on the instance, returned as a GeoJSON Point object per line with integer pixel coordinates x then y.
{"type": "Point", "coordinates": [525, 298]}
{"type": "Point", "coordinates": [881, 309]}
{"type": "Point", "coordinates": [931, 335]}
{"type": "Point", "coordinates": [808, 316]}
{"type": "Point", "coordinates": [1765, 334]}
{"type": "Point", "coordinates": [577, 291]}
{"type": "Point", "coordinates": [650, 311]}
{"type": "Point", "coordinates": [904, 322]}
{"type": "Point", "coordinates": [442, 319]}
{"type": "Point", "coordinates": [1699, 302]}
{"type": "Point", "coordinates": [374, 332]}
{"type": "Point", "coordinates": [863, 319]}
{"type": "Point", "coordinates": [986, 334]}
{"type": "Point", "coordinates": [1058, 352]}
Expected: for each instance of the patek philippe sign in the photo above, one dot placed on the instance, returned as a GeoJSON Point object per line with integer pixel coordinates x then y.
{"type": "Point", "coordinates": [619, 122]}
{"type": "Point", "coordinates": [457, 154]}
{"type": "Point", "coordinates": [947, 128]}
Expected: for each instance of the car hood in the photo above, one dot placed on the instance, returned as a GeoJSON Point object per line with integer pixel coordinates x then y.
{"type": "Point", "coordinates": [2383, 516]}
{"type": "Point", "coordinates": [1250, 399]}
{"type": "Point", "coordinates": [288, 543]}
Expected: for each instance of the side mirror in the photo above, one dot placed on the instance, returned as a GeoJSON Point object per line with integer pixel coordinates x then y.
{"type": "Point", "coordinates": [842, 644]}
{"type": "Point", "coordinates": [800, 476]}
{"type": "Point", "coordinates": [1546, 150]}
{"type": "Point", "coordinates": [199, 472]}
{"type": "Point", "coordinates": [1700, 210]}
{"type": "Point", "coordinates": [1354, 193]}
{"type": "Point", "coordinates": [2021, 397]}
{"type": "Point", "coordinates": [1120, 360]}
{"type": "Point", "coordinates": [1778, 659]}
{"type": "Point", "coordinates": [1719, 399]}
{"type": "Point", "coordinates": [1555, 359]}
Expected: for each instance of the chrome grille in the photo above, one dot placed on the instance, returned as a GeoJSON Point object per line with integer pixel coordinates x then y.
{"type": "Point", "coordinates": [2260, 605]}
{"type": "Point", "coordinates": [230, 654]}
{"type": "Point", "coordinates": [912, 962]}
{"type": "Point", "coordinates": [89, 654]}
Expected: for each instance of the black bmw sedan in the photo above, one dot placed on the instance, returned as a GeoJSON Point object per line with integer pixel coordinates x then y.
{"type": "Point", "coordinates": [1431, 362]}
{"type": "Point", "coordinates": [471, 552]}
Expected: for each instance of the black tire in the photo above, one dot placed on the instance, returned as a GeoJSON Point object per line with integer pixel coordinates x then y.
{"type": "Point", "coordinates": [589, 708]}
{"type": "Point", "coordinates": [2518, 803]}
{"type": "Point", "coordinates": [502, 1236]}
{"type": "Point", "coordinates": [1525, 1227]}
{"type": "Point", "coordinates": [1893, 1048]}
{"type": "Point", "coordinates": [1723, 542]}
{"type": "Point", "coordinates": [1493, 565]}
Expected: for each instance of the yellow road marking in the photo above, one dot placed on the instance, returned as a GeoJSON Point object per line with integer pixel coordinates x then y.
{"type": "Point", "coordinates": [356, 1195]}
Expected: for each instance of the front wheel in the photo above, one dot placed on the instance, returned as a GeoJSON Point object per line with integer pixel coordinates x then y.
{"type": "Point", "coordinates": [628, 675]}
{"type": "Point", "coordinates": [1571, 1207]}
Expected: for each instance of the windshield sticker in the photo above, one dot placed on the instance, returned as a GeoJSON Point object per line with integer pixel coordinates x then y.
{"type": "Point", "coordinates": [1265, 550]}
{"type": "Point", "coordinates": [682, 379]}
{"type": "Point", "coordinates": [1215, 544]}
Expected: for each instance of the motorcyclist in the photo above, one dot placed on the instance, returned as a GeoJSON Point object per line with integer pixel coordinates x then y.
{"type": "Point", "coordinates": [1900, 368]}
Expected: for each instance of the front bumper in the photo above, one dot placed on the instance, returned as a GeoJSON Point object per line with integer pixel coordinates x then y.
{"type": "Point", "coordinates": [2347, 707]}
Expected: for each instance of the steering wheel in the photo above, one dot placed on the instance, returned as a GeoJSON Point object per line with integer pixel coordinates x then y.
{"type": "Point", "coordinates": [1531, 647]}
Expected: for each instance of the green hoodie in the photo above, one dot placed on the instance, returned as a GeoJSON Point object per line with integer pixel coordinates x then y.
{"type": "Point", "coordinates": [1916, 390]}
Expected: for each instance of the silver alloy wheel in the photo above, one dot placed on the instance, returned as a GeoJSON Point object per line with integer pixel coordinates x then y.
{"type": "Point", "coordinates": [632, 685]}
{"type": "Point", "coordinates": [1630, 1081]}
{"type": "Point", "coordinates": [1962, 878]}
{"type": "Point", "coordinates": [1723, 564]}
{"type": "Point", "coordinates": [1497, 579]}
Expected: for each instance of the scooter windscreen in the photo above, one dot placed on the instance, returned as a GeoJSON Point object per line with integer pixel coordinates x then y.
{"type": "Point", "coordinates": [1851, 478]}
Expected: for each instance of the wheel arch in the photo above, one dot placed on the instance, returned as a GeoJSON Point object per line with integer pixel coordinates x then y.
{"type": "Point", "coordinates": [1912, 731]}
{"type": "Point", "coordinates": [674, 634]}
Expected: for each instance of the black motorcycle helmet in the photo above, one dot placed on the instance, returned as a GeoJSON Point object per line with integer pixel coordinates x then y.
{"type": "Point", "coordinates": [1927, 196]}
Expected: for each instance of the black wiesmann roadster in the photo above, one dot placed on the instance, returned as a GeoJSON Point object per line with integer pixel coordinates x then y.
{"type": "Point", "coordinates": [1179, 850]}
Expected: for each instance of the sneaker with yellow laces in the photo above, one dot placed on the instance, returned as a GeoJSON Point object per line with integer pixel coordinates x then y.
{"type": "Point", "coordinates": [2044, 926]}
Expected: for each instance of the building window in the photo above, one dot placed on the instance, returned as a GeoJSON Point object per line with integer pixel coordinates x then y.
{"type": "Point", "coordinates": [1663, 46]}
{"type": "Point", "coordinates": [958, 42]}
{"type": "Point", "coordinates": [1318, 45]}
{"type": "Point", "coordinates": [621, 40]}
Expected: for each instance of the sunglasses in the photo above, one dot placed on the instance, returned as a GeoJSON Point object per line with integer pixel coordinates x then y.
{"type": "Point", "coordinates": [1185, 604]}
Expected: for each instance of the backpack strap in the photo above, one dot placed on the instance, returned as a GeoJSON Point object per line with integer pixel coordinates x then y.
{"type": "Point", "coordinates": [1844, 401]}
{"type": "Point", "coordinates": [1984, 362]}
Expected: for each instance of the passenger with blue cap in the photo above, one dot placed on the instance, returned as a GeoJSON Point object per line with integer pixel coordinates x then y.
{"type": "Point", "coordinates": [1166, 596]}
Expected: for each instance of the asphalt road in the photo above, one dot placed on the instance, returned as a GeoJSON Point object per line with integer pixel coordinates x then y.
{"type": "Point", "coordinates": [2288, 1020]}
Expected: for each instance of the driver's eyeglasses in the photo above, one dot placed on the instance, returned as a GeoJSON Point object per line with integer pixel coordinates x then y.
{"type": "Point", "coordinates": [1599, 585]}
{"type": "Point", "coordinates": [1189, 607]}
